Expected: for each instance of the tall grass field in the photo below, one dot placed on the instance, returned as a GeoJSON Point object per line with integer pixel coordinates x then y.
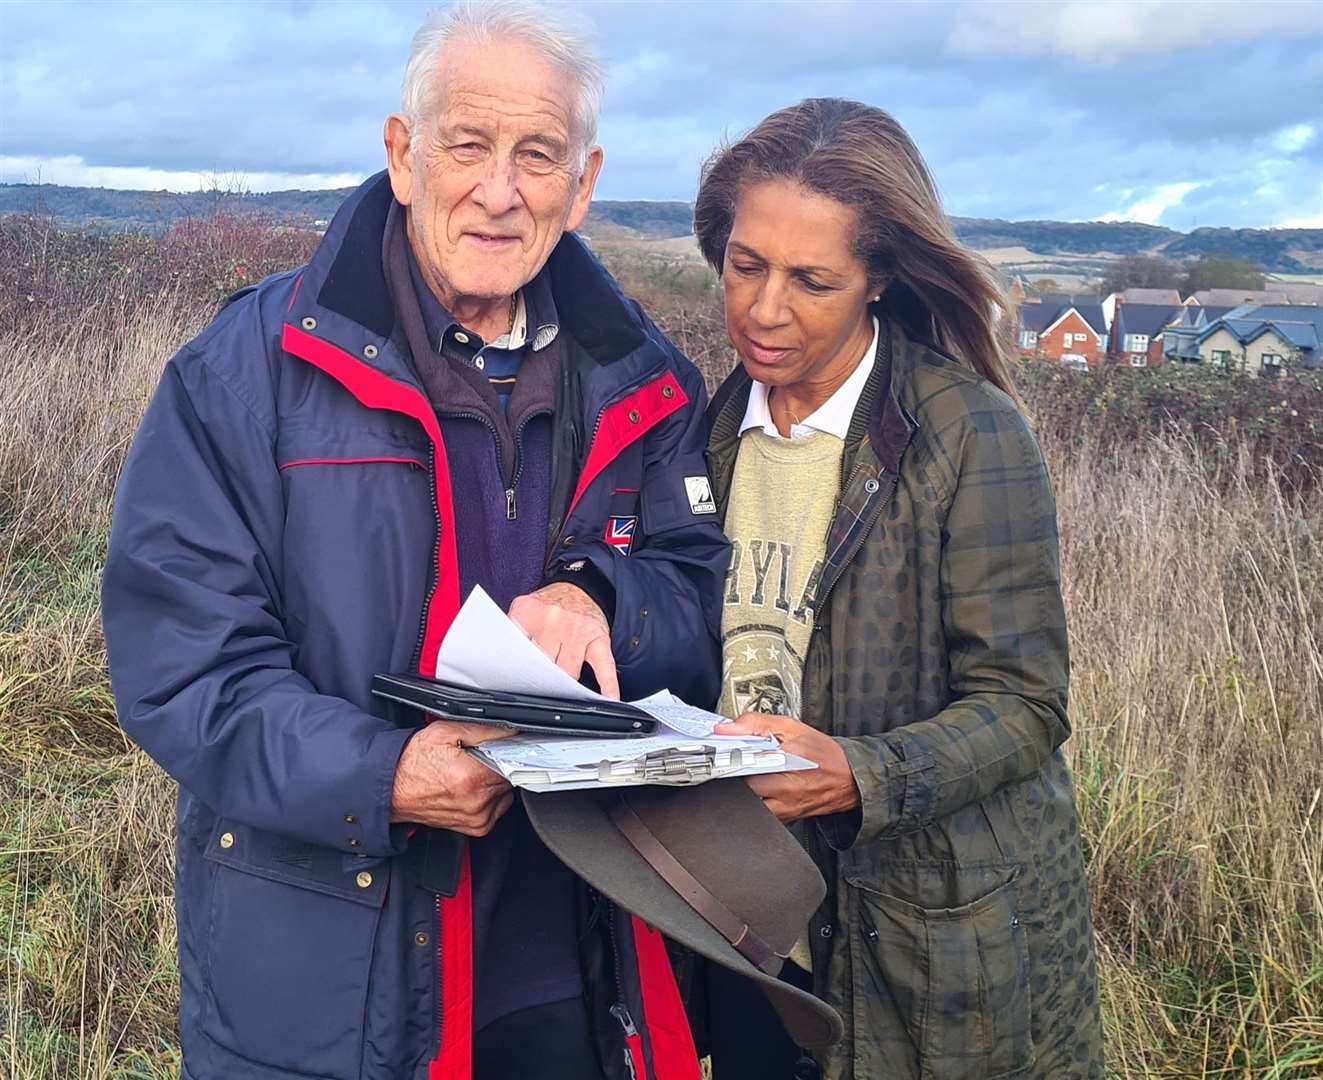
{"type": "Point", "coordinates": [1191, 515]}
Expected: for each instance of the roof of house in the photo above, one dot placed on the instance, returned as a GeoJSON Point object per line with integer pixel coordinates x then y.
{"type": "Point", "coordinates": [1299, 324]}
{"type": "Point", "coordinates": [1300, 292]}
{"type": "Point", "coordinates": [1247, 330]}
{"type": "Point", "coordinates": [1151, 296]}
{"type": "Point", "coordinates": [1038, 317]}
{"type": "Point", "coordinates": [1149, 319]}
{"type": "Point", "coordinates": [1302, 335]}
{"type": "Point", "coordinates": [1064, 298]}
{"type": "Point", "coordinates": [1240, 296]}
{"type": "Point", "coordinates": [1196, 317]}
{"type": "Point", "coordinates": [1047, 312]}
{"type": "Point", "coordinates": [1306, 313]}
{"type": "Point", "coordinates": [1092, 313]}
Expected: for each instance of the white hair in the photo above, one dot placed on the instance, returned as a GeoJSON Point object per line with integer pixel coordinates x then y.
{"type": "Point", "coordinates": [545, 30]}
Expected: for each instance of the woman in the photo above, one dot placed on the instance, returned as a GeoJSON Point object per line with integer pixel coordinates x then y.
{"type": "Point", "coordinates": [893, 613]}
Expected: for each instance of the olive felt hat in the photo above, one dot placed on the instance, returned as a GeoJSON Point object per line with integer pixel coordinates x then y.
{"type": "Point", "coordinates": [710, 867]}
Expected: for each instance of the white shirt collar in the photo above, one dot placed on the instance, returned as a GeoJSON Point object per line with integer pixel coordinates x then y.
{"type": "Point", "coordinates": [832, 416]}
{"type": "Point", "coordinates": [517, 337]}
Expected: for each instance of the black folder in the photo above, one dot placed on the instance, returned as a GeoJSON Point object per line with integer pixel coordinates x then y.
{"type": "Point", "coordinates": [523, 712]}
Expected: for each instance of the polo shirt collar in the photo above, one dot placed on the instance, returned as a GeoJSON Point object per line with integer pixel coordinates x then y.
{"type": "Point", "coordinates": [832, 416]}
{"type": "Point", "coordinates": [534, 306]}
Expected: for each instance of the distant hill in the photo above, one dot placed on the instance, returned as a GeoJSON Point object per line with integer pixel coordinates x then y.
{"type": "Point", "coordinates": [1275, 250]}
{"type": "Point", "coordinates": [1064, 237]}
{"type": "Point", "coordinates": [108, 208]}
{"type": "Point", "coordinates": [654, 220]}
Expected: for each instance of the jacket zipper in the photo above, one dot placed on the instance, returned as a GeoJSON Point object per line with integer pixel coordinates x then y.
{"type": "Point", "coordinates": [633, 1041]}
{"type": "Point", "coordinates": [417, 662]}
{"type": "Point", "coordinates": [432, 570]}
{"type": "Point", "coordinates": [422, 630]}
{"type": "Point", "coordinates": [513, 481]}
{"type": "Point", "coordinates": [519, 465]}
{"type": "Point", "coordinates": [436, 968]}
{"type": "Point", "coordinates": [432, 581]}
{"type": "Point", "coordinates": [635, 1064]}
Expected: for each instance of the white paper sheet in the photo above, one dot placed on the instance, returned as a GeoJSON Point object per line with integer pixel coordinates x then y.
{"type": "Point", "coordinates": [484, 649]}
{"type": "Point", "coordinates": [678, 716]}
{"type": "Point", "coordinates": [567, 752]}
{"type": "Point", "coordinates": [565, 780]}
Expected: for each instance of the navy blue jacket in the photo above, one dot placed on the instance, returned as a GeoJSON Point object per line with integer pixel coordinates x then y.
{"type": "Point", "coordinates": [283, 530]}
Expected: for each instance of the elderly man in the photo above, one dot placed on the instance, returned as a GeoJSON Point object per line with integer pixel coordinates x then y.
{"type": "Point", "coordinates": [452, 393]}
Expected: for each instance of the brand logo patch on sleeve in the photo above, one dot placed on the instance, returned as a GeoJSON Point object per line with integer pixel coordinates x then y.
{"type": "Point", "coordinates": [620, 533]}
{"type": "Point", "coordinates": [699, 490]}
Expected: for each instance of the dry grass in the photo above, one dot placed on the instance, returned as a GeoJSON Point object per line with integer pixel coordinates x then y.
{"type": "Point", "coordinates": [1196, 604]}
{"type": "Point", "coordinates": [1197, 701]}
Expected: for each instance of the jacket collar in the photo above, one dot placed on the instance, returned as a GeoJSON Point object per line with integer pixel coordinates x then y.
{"type": "Point", "coordinates": [346, 280]}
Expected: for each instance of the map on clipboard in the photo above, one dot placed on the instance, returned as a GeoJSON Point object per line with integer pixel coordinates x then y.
{"type": "Point", "coordinates": [485, 649]}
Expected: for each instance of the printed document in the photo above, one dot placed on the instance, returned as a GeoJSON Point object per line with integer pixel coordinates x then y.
{"type": "Point", "coordinates": [485, 650]}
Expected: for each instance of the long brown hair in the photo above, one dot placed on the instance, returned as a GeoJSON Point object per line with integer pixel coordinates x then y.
{"type": "Point", "coordinates": [858, 155]}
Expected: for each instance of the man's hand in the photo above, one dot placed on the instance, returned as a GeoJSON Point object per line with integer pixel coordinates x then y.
{"type": "Point", "coordinates": [569, 627]}
{"type": "Point", "coordinates": [438, 783]}
{"type": "Point", "coordinates": [828, 789]}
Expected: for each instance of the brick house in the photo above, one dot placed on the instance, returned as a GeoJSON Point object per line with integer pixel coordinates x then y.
{"type": "Point", "coordinates": [1052, 328]}
{"type": "Point", "coordinates": [1137, 332]}
{"type": "Point", "coordinates": [1137, 296]}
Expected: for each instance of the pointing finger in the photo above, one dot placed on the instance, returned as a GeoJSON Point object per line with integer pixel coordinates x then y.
{"type": "Point", "coordinates": [603, 664]}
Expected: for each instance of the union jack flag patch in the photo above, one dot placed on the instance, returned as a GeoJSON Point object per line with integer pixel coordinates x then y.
{"type": "Point", "coordinates": [620, 532]}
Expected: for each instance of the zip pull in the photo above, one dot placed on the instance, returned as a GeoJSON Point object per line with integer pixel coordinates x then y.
{"type": "Point", "coordinates": [633, 1051]}
{"type": "Point", "coordinates": [622, 1014]}
{"type": "Point", "coordinates": [509, 504]}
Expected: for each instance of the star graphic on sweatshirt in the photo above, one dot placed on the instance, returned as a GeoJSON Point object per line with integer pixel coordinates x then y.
{"type": "Point", "coordinates": [750, 654]}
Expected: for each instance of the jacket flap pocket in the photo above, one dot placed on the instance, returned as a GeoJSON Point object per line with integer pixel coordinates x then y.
{"type": "Point", "coordinates": [934, 888]}
{"type": "Point", "coordinates": [293, 862]}
{"type": "Point", "coordinates": [316, 446]}
{"type": "Point", "coordinates": [947, 941]}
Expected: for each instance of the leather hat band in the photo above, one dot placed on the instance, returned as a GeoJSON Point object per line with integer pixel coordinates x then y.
{"type": "Point", "coordinates": [718, 915]}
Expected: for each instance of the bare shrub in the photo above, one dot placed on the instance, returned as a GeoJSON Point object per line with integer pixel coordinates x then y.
{"type": "Point", "coordinates": [1278, 421]}
{"type": "Point", "coordinates": [53, 275]}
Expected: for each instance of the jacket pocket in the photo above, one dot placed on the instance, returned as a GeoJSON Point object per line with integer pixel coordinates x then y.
{"type": "Point", "coordinates": [957, 977]}
{"type": "Point", "coordinates": [289, 950]}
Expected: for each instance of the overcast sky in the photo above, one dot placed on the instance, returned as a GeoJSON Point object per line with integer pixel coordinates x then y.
{"type": "Point", "coordinates": [1175, 112]}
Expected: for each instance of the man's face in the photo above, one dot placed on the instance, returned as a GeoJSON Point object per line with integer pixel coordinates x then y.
{"type": "Point", "coordinates": [493, 178]}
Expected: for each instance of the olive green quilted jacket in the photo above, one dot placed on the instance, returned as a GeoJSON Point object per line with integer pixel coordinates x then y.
{"type": "Point", "coordinates": [955, 939]}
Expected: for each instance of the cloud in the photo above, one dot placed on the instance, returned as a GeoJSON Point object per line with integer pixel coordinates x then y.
{"type": "Point", "coordinates": [1120, 30]}
{"type": "Point", "coordinates": [1308, 220]}
{"type": "Point", "coordinates": [1068, 111]}
{"type": "Point", "coordinates": [1293, 139]}
{"type": "Point", "coordinates": [74, 171]}
{"type": "Point", "coordinates": [1157, 202]}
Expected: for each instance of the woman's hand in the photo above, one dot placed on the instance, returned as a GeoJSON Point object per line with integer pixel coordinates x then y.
{"type": "Point", "coordinates": [828, 789]}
